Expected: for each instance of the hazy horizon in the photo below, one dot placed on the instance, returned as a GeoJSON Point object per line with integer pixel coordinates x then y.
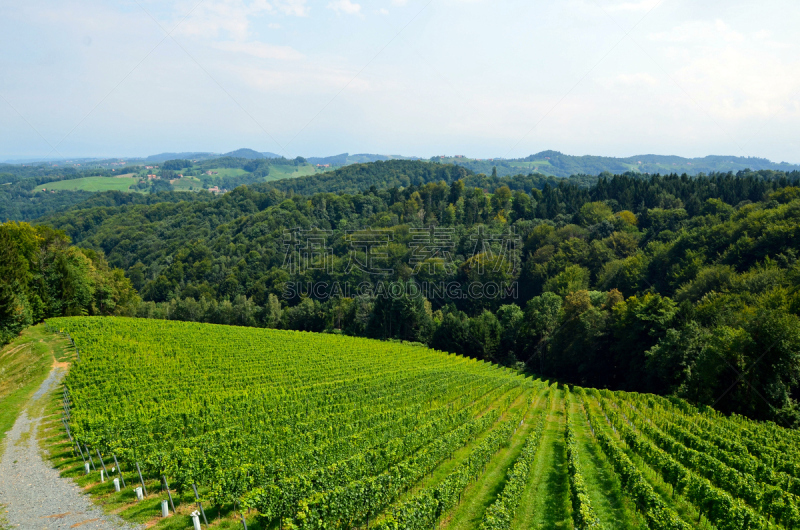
{"type": "Point", "coordinates": [23, 160]}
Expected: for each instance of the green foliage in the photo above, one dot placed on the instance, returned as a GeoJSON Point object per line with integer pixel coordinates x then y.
{"type": "Point", "coordinates": [42, 276]}
{"type": "Point", "coordinates": [582, 511]}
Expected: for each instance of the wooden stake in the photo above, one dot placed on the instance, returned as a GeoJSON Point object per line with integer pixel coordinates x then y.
{"type": "Point", "coordinates": [199, 504]}
{"type": "Point", "coordinates": [168, 493]}
{"type": "Point", "coordinates": [101, 461]}
{"type": "Point", "coordinates": [90, 457]}
{"type": "Point", "coordinates": [140, 478]}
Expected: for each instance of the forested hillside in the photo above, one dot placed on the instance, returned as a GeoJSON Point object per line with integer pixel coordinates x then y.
{"type": "Point", "coordinates": [42, 276]}
{"type": "Point", "coordinates": [377, 175]}
{"type": "Point", "coordinates": [669, 284]}
{"type": "Point", "coordinates": [562, 165]}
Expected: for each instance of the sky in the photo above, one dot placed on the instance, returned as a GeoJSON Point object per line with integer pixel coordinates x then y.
{"type": "Point", "coordinates": [482, 78]}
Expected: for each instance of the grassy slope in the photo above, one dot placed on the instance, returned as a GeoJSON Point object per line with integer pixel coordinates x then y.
{"type": "Point", "coordinates": [545, 503]}
{"type": "Point", "coordinates": [120, 183]}
{"type": "Point", "coordinates": [284, 172]}
{"type": "Point", "coordinates": [24, 364]}
{"type": "Point", "coordinates": [187, 183]}
{"type": "Point", "coordinates": [226, 171]}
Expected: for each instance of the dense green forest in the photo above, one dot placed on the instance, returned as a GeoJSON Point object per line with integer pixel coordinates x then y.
{"type": "Point", "coordinates": [667, 284]}
{"type": "Point", "coordinates": [42, 276]}
{"type": "Point", "coordinates": [378, 175]}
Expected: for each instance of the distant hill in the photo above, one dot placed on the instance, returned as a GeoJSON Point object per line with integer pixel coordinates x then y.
{"type": "Point", "coordinates": [558, 164]}
{"type": "Point", "coordinates": [346, 159]}
{"type": "Point", "coordinates": [163, 157]}
{"type": "Point", "coordinates": [361, 177]}
{"type": "Point", "coordinates": [251, 154]}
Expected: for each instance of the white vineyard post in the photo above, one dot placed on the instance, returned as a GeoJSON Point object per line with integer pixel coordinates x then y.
{"type": "Point", "coordinates": [168, 493]}
{"type": "Point", "coordinates": [196, 520]}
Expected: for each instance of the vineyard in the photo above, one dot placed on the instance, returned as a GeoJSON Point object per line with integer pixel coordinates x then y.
{"type": "Point", "coordinates": [261, 428]}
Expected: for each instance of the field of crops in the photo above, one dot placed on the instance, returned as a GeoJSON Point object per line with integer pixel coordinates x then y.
{"type": "Point", "coordinates": [300, 430]}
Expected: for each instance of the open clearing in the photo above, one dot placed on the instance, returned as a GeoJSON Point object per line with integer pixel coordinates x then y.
{"type": "Point", "coordinates": [116, 183]}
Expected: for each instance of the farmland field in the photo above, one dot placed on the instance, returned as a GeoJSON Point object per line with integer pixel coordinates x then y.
{"type": "Point", "coordinates": [227, 172]}
{"type": "Point", "coordinates": [118, 183]}
{"type": "Point", "coordinates": [187, 184]}
{"type": "Point", "coordinates": [278, 172]}
{"type": "Point", "coordinates": [305, 430]}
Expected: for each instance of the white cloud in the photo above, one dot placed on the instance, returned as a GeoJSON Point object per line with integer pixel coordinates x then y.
{"type": "Point", "coordinates": [319, 80]}
{"type": "Point", "coordinates": [261, 50]}
{"type": "Point", "coordinates": [698, 31]}
{"type": "Point", "coordinates": [644, 5]}
{"type": "Point", "coordinates": [345, 6]}
{"type": "Point", "coordinates": [735, 75]}
{"type": "Point", "coordinates": [234, 17]}
{"type": "Point", "coordinates": [636, 79]}
{"type": "Point", "coordinates": [292, 7]}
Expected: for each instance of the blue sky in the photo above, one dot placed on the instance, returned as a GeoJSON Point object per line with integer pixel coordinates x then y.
{"type": "Point", "coordinates": [415, 77]}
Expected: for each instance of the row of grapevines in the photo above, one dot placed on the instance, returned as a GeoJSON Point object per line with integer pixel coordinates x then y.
{"type": "Point", "coordinates": [756, 453]}
{"type": "Point", "coordinates": [723, 510]}
{"type": "Point", "coordinates": [704, 458]}
{"type": "Point", "coordinates": [425, 508]}
{"type": "Point", "coordinates": [239, 410]}
{"type": "Point", "coordinates": [281, 498]}
{"type": "Point", "coordinates": [362, 499]}
{"type": "Point", "coordinates": [699, 433]}
{"type": "Point", "coordinates": [658, 515]}
{"type": "Point", "coordinates": [582, 511]}
{"type": "Point", "coordinates": [500, 514]}
{"type": "Point", "coordinates": [773, 446]}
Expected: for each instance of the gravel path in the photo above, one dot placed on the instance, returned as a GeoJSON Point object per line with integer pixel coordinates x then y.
{"type": "Point", "coordinates": [33, 493]}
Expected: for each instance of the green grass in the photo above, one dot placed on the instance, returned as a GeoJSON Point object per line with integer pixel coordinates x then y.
{"type": "Point", "coordinates": [546, 503]}
{"type": "Point", "coordinates": [24, 364]}
{"type": "Point", "coordinates": [118, 183]}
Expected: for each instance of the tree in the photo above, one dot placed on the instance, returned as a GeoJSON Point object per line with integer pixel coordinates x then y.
{"type": "Point", "coordinates": [571, 279]}
{"type": "Point", "coordinates": [637, 325]}
{"type": "Point", "coordinates": [273, 313]}
{"type": "Point", "coordinates": [594, 212]}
